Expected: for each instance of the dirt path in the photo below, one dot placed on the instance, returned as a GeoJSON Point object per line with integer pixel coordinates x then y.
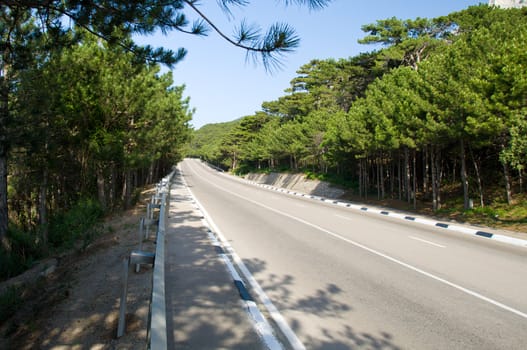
{"type": "Point", "coordinates": [77, 306]}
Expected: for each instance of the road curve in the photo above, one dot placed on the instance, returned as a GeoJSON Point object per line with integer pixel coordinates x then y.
{"type": "Point", "coordinates": [344, 279]}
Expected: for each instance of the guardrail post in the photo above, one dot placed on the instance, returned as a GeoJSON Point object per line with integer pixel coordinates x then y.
{"type": "Point", "coordinates": [148, 219]}
{"type": "Point", "coordinates": [156, 332]}
{"type": "Point", "coordinates": [136, 257]}
{"type": "Point", "coordinates": [150, 216]}
{"type": "Point", "coordinates": [142, 237]}
{"type": "Point", "coordinates": [122, 306]}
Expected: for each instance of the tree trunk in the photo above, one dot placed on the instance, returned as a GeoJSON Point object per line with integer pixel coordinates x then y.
{"type": "Point", "coordinates": [366, 177]}
{"type": "Point", "coordinates": [156, 172]}
{"type": "Point", "coordinates": [360, 178]}
{"type": "Point", "coordinates": [112, 187]}
{"type": "Point", "coordinates": [399, 177]}
{"type": "Point", "coordinates": [434, 162]}
{"type": "Point", "coordinates": [4, 117]}
{"type": "Point", "coordinates": [127, 184]}
{"type": "Point", "coordinates": [478, 178]}
{"type": "Point", "coordinates": [43, 207]}
{"type": "Point", "coordinates": [378, 176]}
{"type": "Point", "coordinates": [234, 163]}
{"type": "Point", "coordinates": [392, 178]}
{"type": "Point", "coordinates": [439, 176]}
{"type": "Point", "coordinates": [101, 187]}
{"type": "Point", "coordinates": [454, 168]}
{"type": "Point", "coordinates": [426, 171]}
{"type": "Point", "coordinates": [150, 178]}
{"type": "Point", "coordinates": [407, 174]}
{"type": "Point", "coordinates": [383, 188]}
{"type": "Point", "coordinates": [414, 180]}
{"type": "Point", "coordinates": [3, 194]}
{"type": "Point", "coordinates": [508, 190]}
{"type": "Point", "coordinates": [520, 178]}
{"type": "Point", "coordinates": [464, 176]}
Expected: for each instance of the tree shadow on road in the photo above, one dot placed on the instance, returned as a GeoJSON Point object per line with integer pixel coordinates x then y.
{"type": "Point", "coordinates": [327, 304]}
{"type": "Point", "coordinates": [353, 340]}
{"type": "Point", "coordinates": [203, 306]}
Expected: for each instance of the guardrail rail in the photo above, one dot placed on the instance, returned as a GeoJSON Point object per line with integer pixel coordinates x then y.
{"type": "Point", "coordinates": [157, 330]}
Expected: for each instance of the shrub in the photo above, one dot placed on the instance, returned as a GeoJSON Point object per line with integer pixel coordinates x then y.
{"type": "Point", "coordinates": [79, 223]}
{"type": "Point", "coordinates": [23, 248]}
{"type": "Point", "coordinates": [10, 300]}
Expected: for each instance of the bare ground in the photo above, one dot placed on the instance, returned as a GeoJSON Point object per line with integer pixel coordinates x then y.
{"type": "Point", "coordinates": [77, 305]}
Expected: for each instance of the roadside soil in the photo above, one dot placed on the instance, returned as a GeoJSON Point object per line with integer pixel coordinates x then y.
{"type": "Point", "coordinates": [75, 305]}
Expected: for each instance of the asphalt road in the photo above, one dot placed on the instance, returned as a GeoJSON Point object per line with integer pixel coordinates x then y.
{"type": "Point", "coordinates": [345, 279]}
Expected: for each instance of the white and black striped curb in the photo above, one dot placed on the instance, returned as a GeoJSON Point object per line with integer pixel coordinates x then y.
{"type": "Point", "coordinates": [451, 227]}
{"type": "Point", "coordinates": [261, 325]}
{"type": "Point", "coordinates": [225, 254]}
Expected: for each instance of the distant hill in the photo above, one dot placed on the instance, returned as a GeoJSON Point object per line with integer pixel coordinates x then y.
{"type": "Point", "coordinates": [206, 140]}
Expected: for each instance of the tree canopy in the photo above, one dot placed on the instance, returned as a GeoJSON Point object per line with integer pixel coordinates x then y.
{"type": "Point", "coordinates": [103, 116]}
{"type": "Point", "coordinates": [116, 21]}
{"type": "Point", "coordinates": [443, 102]}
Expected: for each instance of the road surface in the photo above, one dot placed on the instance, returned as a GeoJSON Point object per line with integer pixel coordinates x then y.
{"type": "Point", "coordinates": [346, 279]}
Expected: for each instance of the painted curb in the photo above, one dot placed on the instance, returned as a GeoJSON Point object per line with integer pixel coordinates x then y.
{"type": "Point", "coordinates": [448, 226]}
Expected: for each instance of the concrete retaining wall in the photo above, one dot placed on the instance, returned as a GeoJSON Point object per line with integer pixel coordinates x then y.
{"type": "Point", "coordinates": [298, 183]}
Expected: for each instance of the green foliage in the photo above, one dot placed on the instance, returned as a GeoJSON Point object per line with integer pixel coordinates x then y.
{"type": "Point", "coordinates": [344, 182]}
{"type": "Point", "coordinates": [81, 222]}
{"type": "Point", "coordinates": [117, 21]}
{"type": "Point", "coordinates": [207, 142]}
{"type": "Point", "coordinates": [19, 253]}
{"type": "Point", "coordinates": [408, 42]}
{"type": "Point", "coordinates": [86, 113]}
{"type": "Point", "coordinates": [496, 214]}
{"type": "Point", "coordinates": [10, 301]}
{"type": "Point", "coordinates": [88, 119]}
{"type": "Point", "coordinates": [487, 212]}
{"type": "Point", "coordinates": [445, 97]}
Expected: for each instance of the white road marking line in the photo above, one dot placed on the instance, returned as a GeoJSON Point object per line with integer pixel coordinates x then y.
{"type": "Point", "coordinates": [259, 320]}
{"type": "Point", "coordinates": [427, 242]}
{"type": "Point", "coordinates": [385, 256]}
{"type": "Point", "coordinates": [261, 324]}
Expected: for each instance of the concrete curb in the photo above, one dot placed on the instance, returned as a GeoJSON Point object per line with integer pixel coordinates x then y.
{"type": "Point", "coordinates": [233, 265]}
{"type": "Point", "coordinates": [425, 221]}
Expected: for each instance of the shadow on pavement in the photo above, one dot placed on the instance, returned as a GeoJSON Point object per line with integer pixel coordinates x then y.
{"type": "Point", "coordinates": [323, 305]}
{"type": "Point", "coordinates": [204, 310]}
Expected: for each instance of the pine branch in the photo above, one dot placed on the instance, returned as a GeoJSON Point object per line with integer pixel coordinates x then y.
{"type": "Point", "coordinates": [279, 39]}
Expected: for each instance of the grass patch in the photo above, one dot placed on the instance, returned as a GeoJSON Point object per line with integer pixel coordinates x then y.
{"type": "Point", "coordinates": [497, 214]}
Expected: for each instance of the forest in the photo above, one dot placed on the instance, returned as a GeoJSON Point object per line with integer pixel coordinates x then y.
{"type": "Point", "coordinates": [436, 115]}
{"type": "Point", "coordinates": [89, 126]}
{"type": "Point", "coordinates": [89, 119]}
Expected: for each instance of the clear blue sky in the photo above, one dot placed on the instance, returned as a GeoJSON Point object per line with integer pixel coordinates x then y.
{"type": "Point", "coordinates": [223, 86]}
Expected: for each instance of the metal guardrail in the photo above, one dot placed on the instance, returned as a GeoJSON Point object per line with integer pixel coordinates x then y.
{"type": "Point", "coordinates": [158, 319]}
{"type": "Point", "coordinates": [157, 331]}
